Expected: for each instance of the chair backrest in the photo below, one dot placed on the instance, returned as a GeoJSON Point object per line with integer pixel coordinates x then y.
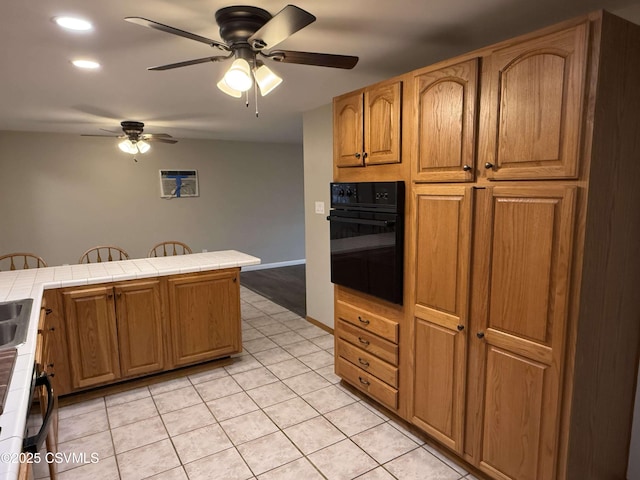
{"type": "Point", "coordinates": [172, 247]}
{"type": "Point", "coordinates": [21, 261]}
{"type": "Point", "coordinates": [103, 253]}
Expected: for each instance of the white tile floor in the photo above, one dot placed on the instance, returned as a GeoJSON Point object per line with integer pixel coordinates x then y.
{"type": "Point", "coordinates": [277, 413]}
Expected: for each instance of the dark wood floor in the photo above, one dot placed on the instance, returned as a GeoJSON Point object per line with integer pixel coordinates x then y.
{"type": "Point", "coordinates": [283, 285]}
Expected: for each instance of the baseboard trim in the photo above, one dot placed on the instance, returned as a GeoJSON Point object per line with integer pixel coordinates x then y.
{"type": "Point", "coordinates": [263, 266]}
{"type": "Point", "coordinates": [319, 324]}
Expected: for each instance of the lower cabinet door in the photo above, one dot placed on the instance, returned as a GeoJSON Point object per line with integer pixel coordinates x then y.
{"type": "Point", "coordinates": [519, 333]}
{"type": "Point", "coordinates": [91, 336]}
{"type": "Point", "coordinates": [439, 340]}
{"type": "Point", "coordinates": [139, 313]}
{"type": "Point", "coordinates": [204, 316]}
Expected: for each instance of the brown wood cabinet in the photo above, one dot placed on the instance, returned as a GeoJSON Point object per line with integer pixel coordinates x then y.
{"type": "Point", "coordinates": [55, 344]}
{"type": "Point", "coordinates": [367, 126]}
{"type": "Point", "coordinates": [519, 341]}
{"type": "Point", "coordinates": [140, 328]}
{"type": "Point", "coordinates": [445, 122]}
{"type": "Point", "coordinates": [442, 247]}
{"type": "Point", "coordinates": [537, 114]}
{"type": "Point", "coordinates": [106, 333]}
{"type": "Point", "coordinates": [204, 316]}
{"type": "Point", "coordinates": [44, 366]}
{"type": "Point", "coordinates": [366, 335]}
{"type": "Point", "coordinates": [518, 334]}
{"type": "Point", "coordinates": [92, 336]}
{"type": "Point", "coordinates": [113, 331]}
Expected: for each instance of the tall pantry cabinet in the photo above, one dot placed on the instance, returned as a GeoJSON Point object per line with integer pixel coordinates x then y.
{"type": "Point", "coordinates": [521, 347]}
{"type": "Point", "coordinates": [520, 337]}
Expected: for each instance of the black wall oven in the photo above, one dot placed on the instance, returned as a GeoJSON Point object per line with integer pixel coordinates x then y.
{"type": "Point", "coordinates": [367, 237]}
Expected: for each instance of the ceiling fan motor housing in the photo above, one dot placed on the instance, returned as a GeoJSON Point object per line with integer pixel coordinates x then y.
{"type": "Point", "coordinates": [133, 130]}
{"type": "Point", "coordinates": [238, 23]}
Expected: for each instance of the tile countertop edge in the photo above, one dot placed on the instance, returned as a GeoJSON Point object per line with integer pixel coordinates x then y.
{"type": "Point", "coordinates": [13, 420]}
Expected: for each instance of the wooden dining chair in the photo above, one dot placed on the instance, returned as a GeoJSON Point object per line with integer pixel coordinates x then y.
{"type": "Point", "coordinates": [172, 247]}
{"type": "Point", "coordinates": [103, 253]}
{"type": "Point", "coordinates": [21, 261]}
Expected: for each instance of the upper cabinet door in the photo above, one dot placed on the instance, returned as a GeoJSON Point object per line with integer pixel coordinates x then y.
{"type": "Point", "coordinates": [539, 94]}
{"type": "Point", "coordinates": [348, 124]}
{"type": "Point", "coordinates": [382, 129]}
{"type": "Point", "coordinates": [445, 123]}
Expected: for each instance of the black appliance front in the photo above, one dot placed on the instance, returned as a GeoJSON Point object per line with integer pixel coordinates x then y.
{"type": "Point", "coordinates": [367, 237]}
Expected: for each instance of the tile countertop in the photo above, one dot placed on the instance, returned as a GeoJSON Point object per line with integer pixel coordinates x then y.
{"type": "Point", "coordinates": [20, 284]}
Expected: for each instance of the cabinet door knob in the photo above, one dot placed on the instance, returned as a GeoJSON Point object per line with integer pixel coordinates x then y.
{"type": "Point", "coordinates": [363, 341]}
{"type": "Point", "coordinates": [364, 321]}
{"type": "Point", "coordinates": [480, 334]}
{"type": "Point", "coordinates": [365, 155]}
{"type": "Point", "coordinates": [52, 329]}
{"type": "Point", "coordinates": [466, 168]}
{"type": "Point", "coordinates": [48, 311]}
{"type": "Point", "coordinates": [488, 165]}
{"type": "Point", "coordinates": [357, 155]}
{"type": "Point", "coordinates": [364, 381]}
{"type": "Point", "coordinates": [460, 328]}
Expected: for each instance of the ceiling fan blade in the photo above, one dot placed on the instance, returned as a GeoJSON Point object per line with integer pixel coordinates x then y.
{"type": "Point", "coordinates": [156, 135]}
{"type": "Point", "coordinates": [110, 131]}
{"type": "Point", "coordinates": [150, 138]}
{"type": "Point", "coordinates": [91, 135]}
{"type": "Point", "coordinates": [176, 31]}
{"type": "Point", "coordinates": [319, 59]}
{"type": "Point", "coordinates": [189, 62]}
{"type": "Point", "coordinates": [285, 23]}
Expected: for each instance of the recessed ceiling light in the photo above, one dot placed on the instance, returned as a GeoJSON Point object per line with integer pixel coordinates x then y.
{"type": "Point", "coordinates": [72, 23]}
{"type": "Point", "coordinates": [86, 64]}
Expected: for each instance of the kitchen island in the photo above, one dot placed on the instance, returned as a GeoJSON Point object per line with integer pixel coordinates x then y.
{"type": "Point", "coordinates": [21, 284]}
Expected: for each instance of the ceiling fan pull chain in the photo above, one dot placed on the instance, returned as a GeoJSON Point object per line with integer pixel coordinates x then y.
{"type": "Point", "coordinates": [246, 99]}
{"type": "Point", "coordinates": [255, 91]}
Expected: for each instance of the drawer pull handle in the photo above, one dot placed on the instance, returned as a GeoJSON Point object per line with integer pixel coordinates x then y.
{"type": "Point", "coordinates": [364, 381]}
{"type": "Point", "coordinates": [362, 362]}
{"type": "Point", "coordinates": [364, 321]}
{"type": "Point", "coordinates": [363, 341]}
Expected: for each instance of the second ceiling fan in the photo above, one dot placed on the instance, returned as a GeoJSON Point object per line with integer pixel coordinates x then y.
{"type": "Point", "coordinates": [248, 34]}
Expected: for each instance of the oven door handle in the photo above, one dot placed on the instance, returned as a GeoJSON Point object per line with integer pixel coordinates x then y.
{"type": "Point", "coordinates": [362, 221]}
{"type": "Point", "coordinates": [34, 443]}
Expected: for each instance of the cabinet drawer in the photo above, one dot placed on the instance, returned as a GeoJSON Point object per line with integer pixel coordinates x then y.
{"type": "Point", "coordinates": [368, 362]}
{"type": "Point", "coordinates": [368, 321]}
{"type": "Point", "coordinates": [367, 383]}
{"type": "Point", "coordinates": [367, 341]}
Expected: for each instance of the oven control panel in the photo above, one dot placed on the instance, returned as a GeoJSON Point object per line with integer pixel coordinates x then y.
{"type": "Point", "coordinates": [387, 196]}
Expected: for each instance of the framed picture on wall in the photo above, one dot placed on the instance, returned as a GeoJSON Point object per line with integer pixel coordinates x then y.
{"type": "Point", "coordinates": [178, 183]}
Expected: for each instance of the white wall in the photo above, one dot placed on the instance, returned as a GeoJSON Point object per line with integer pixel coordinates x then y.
{"type": "Point", "coordinates": [318, 172]}
{"type": "Point", "coordinates": [62, 194]}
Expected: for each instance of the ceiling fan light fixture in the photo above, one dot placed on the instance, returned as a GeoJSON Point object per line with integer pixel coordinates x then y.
{"type": "Point", "coordinates": [266, 79]}
{"type": "Point", "coordinates": [127, 146]}
{"type": "Point", "coordinates": [222, 85]}
{"type": "Point", "coordinates": [143, 147]}
{"type": "Point", "coordinates": [238, 77]}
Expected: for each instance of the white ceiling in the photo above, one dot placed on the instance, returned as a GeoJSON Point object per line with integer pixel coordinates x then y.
{"type": "Point", "coordinates": [41, 91]}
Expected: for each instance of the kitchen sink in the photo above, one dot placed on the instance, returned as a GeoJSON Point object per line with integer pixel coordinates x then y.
{"type": "Point", "coordinates": [10, 310]}
{"type": "Point", "coordinates": [14, 322]}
